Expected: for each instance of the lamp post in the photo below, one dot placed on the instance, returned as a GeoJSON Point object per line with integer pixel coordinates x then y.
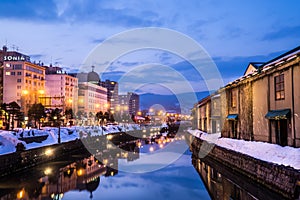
{"type": "Point", "coordinates": [101, 124]}
{"type": "Point", "coordinates": [24, 101]}
{"type": "Point", "coordinates": [58, 138]}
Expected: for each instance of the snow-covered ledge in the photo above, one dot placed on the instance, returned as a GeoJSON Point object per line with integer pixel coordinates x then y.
{"type": "Point", "coordinates": [287, 156]}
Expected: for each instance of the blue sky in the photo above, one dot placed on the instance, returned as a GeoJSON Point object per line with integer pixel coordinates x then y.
{"type": "Point", "coordinates": [232, 32]}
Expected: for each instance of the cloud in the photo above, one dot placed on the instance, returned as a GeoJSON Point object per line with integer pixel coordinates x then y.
{"type": "Point", "coordinates": [36, 56]}
{"type": "Point", "coordinates": [231, 31]}
{"type": "Point", "coordinates": [28, 10]}
{"type": "Point", "coordinates": [113, 75]}
{"type": "Point", "coordinates": [129, 64]}
{"type": "Point", "coordinates": [283, 32]}
{"type": "Point", "coordinates": [97, 41]}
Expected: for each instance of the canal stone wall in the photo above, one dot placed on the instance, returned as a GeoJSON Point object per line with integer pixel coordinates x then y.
{"type": "Point", "coordinates": [24, 159]}
{"type": "Point", "coordinates": [281, 179]}
{"type": "Point", "coordinates": [21, 160]}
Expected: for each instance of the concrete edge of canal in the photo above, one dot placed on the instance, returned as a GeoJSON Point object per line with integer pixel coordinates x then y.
{"type": "Point", "coordinates": [25, 159]}
{"type": "Point", "coordinates": [278, 178]}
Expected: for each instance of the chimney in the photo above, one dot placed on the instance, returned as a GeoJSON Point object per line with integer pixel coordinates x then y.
{"type": "Point", "coordinates": [4, 48]}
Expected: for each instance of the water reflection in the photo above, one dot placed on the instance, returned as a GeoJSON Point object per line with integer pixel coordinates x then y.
{"type": "Point", "coordinates": [77, 172]}
{"type": "Point", "coordinates": [87, 176]}
{"type": "Point", "coordinates": [224, 183]}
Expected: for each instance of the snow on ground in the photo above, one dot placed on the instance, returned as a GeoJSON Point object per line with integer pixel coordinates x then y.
{"type": "Point", "coordinates": [8, 142]}
{"type": "Point", "coordinates": [9, 139]}
{"type": "Point", "coordinates": [288, 156]}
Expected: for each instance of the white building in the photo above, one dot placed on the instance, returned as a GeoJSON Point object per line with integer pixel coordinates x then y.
{"type": "Point", "coordinates": [61, 90]}
{"type": "Point", "coordinates": [92, 97]}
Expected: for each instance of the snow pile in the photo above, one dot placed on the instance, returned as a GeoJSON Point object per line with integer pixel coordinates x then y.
{"type": "Point", "coordinates": [51, 139]}
{"type": "Point", "coordinates": [9, 139]}
{"type": "Point", "coordinates": [8, 142]}
{"type": "Point", "coordinates": [288, 156]}
{"type": "Point", "coordinates": [164, 125]}
{"type": "Point", "coordinates": [113, 129]}
{"type": "Point", "coordinates": [26, 133]}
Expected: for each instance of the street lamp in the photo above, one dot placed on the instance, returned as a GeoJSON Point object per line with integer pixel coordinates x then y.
{"type": "Point", "coordinates": [23, 101]}
{"type": "Point", "coordinates": [58, 138]}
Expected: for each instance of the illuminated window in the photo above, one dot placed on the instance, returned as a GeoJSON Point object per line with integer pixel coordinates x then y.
{"type": "Point", "coordinates": [7, 73]}
{"type": "Point", "coordinates": [279, 87]}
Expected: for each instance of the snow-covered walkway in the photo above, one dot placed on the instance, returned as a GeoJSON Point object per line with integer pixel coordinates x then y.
{"type": "Point", "coordinates": [9, 139]}
{"type": "Point", "coordinates": [288, 156]}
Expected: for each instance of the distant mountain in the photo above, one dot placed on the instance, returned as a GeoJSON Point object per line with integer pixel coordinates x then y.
{"type": "Point", "coordinates": [171, 102]}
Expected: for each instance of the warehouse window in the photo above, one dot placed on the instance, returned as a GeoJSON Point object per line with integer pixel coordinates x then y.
{"type": "Point", "coordinates": [279, 87]}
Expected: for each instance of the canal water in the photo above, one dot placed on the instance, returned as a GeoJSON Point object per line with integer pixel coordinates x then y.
{"type": "Point", "coordinates": [127, 173]}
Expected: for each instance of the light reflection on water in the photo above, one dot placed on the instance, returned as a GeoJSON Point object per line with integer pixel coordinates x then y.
{"type": "Point", "coordinates": [178, 180]}
{"type": "Point", "coordinates": [87, 177]}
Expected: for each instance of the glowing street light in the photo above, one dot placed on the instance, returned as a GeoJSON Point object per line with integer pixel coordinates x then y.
{"type": "Point", "coordinates": [21, 194]}
{"type": "Point", "coordinates": [25, 92]}
{"type": "Point", "coordinates": [80, 172]}
{"type": "Point", "coordinates": [49, 152]}
{"type": "Point", "coordinates": [151, 149]}
{"type": "Point", "coordinates": [48, 171]}
{"type": "Point", "coordinates": [41, 91]}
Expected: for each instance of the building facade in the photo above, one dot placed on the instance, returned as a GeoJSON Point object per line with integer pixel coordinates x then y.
{"type": "Point", "coordinates": [92, 97]}
{"type": "Point", "coordinates": [61, 90]}
{"type": "Point", "coordinates": [112, 94]}
{"type": "Point", "coordinates": [130, 101]}
{"type": "Point", "coordinates": [23, 81]}
{"type": "Point", "coordinates": [262, 105]}
{"type": "Point", "coordinates": [207, 114]}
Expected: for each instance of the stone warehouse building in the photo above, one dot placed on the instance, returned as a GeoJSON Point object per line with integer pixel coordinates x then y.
{"type": "Point", "coordinates": [262, 105]}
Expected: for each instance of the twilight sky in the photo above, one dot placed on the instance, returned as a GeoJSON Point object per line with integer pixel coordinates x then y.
{"type": "Point", "coordinates": [232, 32]}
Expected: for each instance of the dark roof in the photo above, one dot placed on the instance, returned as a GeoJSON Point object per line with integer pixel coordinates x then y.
{"type": "Point", "coordinates": [203, 101]}
{"type": "Point", "coordinates": [93, 77]}
{"type": "Point", "coordinates": [254, 64]}
{"type": "Point", "coordinates": [282, 55]}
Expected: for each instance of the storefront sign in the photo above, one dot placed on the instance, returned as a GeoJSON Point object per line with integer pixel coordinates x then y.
{"type": "Point", "coordinates": [14, 58]}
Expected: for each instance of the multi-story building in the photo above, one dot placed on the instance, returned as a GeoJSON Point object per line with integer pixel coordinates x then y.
{"type": "Point", "coordinates": [208, 114]}
{"type": "Point", "coordinates": [92, 97]}
{"type": "Point", "coordinates": [23, 81]}
{"type": "Point", "coordinates": [130, 102]}
{"type": "Point", "coordinates": [6, 55]}
{"type": "Point", "coordinates": [262, 105]}
{"type": "Point", "coordinates": [112, 94]}
{"type": "Point", "coordinates": [61, 90]}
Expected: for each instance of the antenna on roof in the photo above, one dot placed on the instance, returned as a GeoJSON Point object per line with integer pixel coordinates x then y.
{"type": "Point", "coordinates": [93, 68]}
